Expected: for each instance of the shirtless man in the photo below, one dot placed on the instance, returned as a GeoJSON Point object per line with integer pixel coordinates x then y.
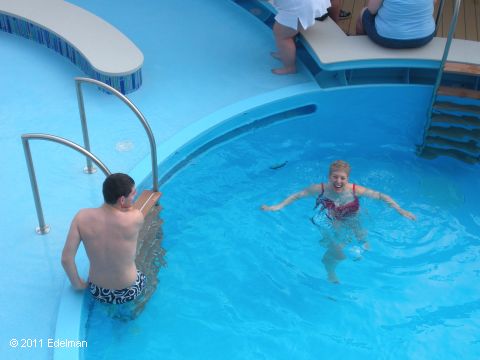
{"type": "Point", "coordinates": [109, 234]}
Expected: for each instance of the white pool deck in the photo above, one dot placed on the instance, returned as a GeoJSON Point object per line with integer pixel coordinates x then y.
{"type": "Point", "coordinates": [201, 58]}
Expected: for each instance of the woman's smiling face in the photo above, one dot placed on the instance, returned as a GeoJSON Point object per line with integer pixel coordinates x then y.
{"type": "Point", "coordinates": [338, 179]}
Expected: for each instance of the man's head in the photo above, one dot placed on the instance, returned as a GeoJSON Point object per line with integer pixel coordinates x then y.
{"type": "Point", "coordinates": [119, 188]}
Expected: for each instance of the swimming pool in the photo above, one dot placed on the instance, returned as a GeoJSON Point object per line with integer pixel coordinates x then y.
{"type": "Point", "coordinates": [40, 97]}
{"type": "Point", "coordinates": [240, 283]}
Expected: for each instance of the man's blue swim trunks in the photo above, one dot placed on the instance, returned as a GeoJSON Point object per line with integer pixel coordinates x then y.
{"type": "Point", "coordinates": [119, 296]}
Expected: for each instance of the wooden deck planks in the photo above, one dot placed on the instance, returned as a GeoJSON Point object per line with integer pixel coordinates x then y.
{"type": "Point", "coordinates": [470, 21]}
{"type": "Point", "coordinates": [460, 30]}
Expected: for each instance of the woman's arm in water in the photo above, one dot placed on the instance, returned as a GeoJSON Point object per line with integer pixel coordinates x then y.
{"type": "Point", "coordinates": [311, 190]}
{"type": "Point", "coordinates": [363, 191]}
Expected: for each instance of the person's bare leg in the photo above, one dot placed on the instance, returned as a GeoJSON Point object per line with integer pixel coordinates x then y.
{"type": "Point", "coordinates": [330, 260]}
{"type": "Point", "coordinates": [359, 27]}
{"type": "Point", "coordinates": [334, 10]}
{"type": "Point", "coordinates": [275, 55]}
{"type": "Point", "coordinates": [287, 50]}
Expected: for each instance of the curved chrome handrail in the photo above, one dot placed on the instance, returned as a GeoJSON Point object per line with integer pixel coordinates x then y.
{"type": "Point", "coordinates": [44, 228]}
{"type": "Point", "coordinates": [131, 105]}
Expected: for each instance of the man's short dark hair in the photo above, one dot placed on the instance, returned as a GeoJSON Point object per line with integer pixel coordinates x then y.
{"type": "Point", "coordinates": [116, 186]}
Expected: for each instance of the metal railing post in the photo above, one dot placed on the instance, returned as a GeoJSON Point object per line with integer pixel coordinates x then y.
{"type": "Point", "coordinates": [44, 228]}
{"type": "Point", "coordinates": [89, 169]}
{"type": "Point", "coordinates": [137, 112]}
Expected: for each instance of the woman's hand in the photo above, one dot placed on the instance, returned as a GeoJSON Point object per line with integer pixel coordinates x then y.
{"type": "Point", "coordinates": [407, 214]}
{"type": "Point", "coordinates": [270, 208]}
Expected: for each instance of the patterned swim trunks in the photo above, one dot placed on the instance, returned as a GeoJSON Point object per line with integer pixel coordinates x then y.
{"type": "Point", "coordinates": [119, 296]}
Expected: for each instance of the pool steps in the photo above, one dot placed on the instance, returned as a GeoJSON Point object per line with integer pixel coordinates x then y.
{"type": "Point", "coordinates": [454, 131]}
{"type": "Point", "coordinates": [454, 128]}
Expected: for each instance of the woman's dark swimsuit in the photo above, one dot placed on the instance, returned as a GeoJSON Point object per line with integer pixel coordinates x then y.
{"type": "Point", "coordinates": [110, 296]}
{"type": "Point", "coordinates": [338, 212]}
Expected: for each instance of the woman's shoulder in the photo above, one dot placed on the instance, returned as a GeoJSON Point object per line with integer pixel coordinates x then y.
{"type": "Point", "coordinates": [316, 188]}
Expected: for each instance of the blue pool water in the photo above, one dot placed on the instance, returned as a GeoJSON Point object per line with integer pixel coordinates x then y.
{"type": "Point", "coordinates": [244, 284]}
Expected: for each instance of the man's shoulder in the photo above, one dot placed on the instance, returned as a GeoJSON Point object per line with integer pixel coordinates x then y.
{"type": "Point", "coordinates": [87, 213]}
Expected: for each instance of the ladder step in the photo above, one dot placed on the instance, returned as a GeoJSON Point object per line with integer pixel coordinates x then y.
{"type": "Point", "coordinates": [462, 68]}
{"type": "Point", "coordinates": [449, 106]}
{"type": "Point", "coordinates": [430, 152]}
{"type": "Point", "coordinates": [457, 120]}
{"type": "Point", "coordinates": [454, 132]}
{"type": "Point", "coordinates": [459, 92]}
{"type": "Point", "coordinates": [146, 201]}
{"type": "Point", "coordinates": [471, 147]}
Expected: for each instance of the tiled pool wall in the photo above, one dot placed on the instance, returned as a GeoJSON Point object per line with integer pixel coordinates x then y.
{"type": "Point", "coordinates": [13, 25]}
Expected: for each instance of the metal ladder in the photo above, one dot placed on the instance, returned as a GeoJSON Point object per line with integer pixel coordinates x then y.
{"type": "Point", "coordinates": [453, 121]}
{"type": "Point", "coordinates": [145, 201]}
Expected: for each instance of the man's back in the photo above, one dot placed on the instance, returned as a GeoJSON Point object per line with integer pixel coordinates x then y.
{"type": "Point", "coordinates": [110, 238]}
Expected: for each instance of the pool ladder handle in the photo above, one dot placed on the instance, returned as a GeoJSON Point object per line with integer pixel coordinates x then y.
{"type": "Point", "coordinates": [43, 228]}
{"type": "Point", "coordinates": [89, 169]}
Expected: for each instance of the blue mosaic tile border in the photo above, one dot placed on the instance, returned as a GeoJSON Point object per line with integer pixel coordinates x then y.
{"type": "Point", "coordinates": [124, 83]}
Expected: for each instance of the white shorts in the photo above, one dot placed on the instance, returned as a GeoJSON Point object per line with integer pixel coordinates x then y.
{"type": "Point", "coordinates": [292, 12]}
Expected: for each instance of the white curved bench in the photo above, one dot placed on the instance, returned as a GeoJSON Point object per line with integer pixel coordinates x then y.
{"type": "Point", "coordinates": [91, 43]}
{"type": "Point", "coordinates": [334, 50]}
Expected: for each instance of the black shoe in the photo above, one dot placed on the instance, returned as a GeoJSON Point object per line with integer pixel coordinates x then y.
{"type": "Point", "coordinates": [322, 18]}
{"type": "Point", "coordinates": [344, 14]}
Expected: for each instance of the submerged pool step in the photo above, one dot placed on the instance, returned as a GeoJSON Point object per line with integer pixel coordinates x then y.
{"type": "Point", "coordinates": [432, 152]}
{"type": "Point", "coordinates": [455, 132]}
{"type": "Point", "coordinates": [146, 201]}
{"type": "Point", "coordinates": [469, 147]}
{"type": "Point", "coordinates": [458, 92]}
{"type": "Point", "coordinates": [459, 120]}
{"type": "Point", "coordinates": [446, 106]}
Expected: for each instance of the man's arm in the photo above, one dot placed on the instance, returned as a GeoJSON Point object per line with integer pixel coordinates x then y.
{"type": "Point", "coordinates": [68, 255]}
{"type": "Point", "coordinates": [362, 191]}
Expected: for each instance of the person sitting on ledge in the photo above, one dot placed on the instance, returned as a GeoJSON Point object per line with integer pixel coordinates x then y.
{"type": "Point", "coordinates": [109, 234]}
{"type": "Point", "coordinates": [398, 24]}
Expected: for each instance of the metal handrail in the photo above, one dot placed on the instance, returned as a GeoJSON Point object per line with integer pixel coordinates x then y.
{"type": "Point", "coordinates": [44, 228]}
{"type": "Point", "coordinates": [146, 126]}
{"type": "Point", "coordinates": [438, 80]}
